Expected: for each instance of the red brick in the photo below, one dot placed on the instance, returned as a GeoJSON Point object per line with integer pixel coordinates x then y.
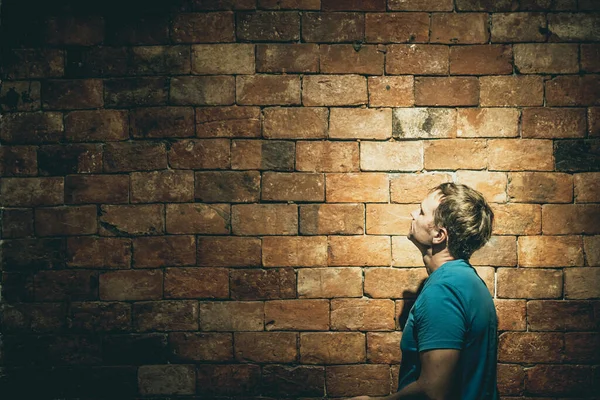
{"type": "Point", "coordinates": [441, 154]}
{"type": "Point", "coordinates": [297, 315]}
{"type": "Point", "coordinates": [447, 91]}
{"type": "Point", "coordinates": [294, 251]}
{"type": "Point", "coordinates": [272, 26]}
{"type": "Point", "coordinates": [280, 186]}
{"type": "Point", "coordinates": [517, 219]}
{"type": "Point", "coordinates": [389, 219]}
{"type": "Point", "coordinates": [362, 314]}
{"type": "Point", "coordinates": [202, 5]}
{"type": "Point", "coordinates": [230, 186]}
{"type": "Point", "coordinates": [357, 188]}
{"type": "Point", "coordinates": [510, 91]}
{"type": "Point", "coordinates": [334, 90]}
{"type": "Point", "coordinates": [405, 253]}
{"type": "Point", "coordinates": [573, 27]}
{"type": "Point", "coordinates": [518, 283]}
{"type": "Point", "coordinates": [391, 91]}
{"type": "Point", "coordinates": [327, 156]}
{"type": "Point", "coordinates": [202, 90]}
{"type": "Point", "coordinates": [582, 283]}
{"type": "Point", "coordinates": [268, 90]}
{"type": "Point", "coordinates": [384, 348]}
{"type": "Point", "coordinates": [266, 347]}
{"type": "Point", "coordinates": [192, 347]}
{"type": "Point", "coordinates": [396, 27]}
{"type": "Point", "coordinates": [159, 60]}
{"type": "Point", "coordinates": [498, 251]}
{"type": "Point", "coordinates": [511, 314]}
{"type": "Point", "coordinates": [333, 27]}
{"type": "Point", "coordinates": [358, 251]}
{"type": "Point", "coordinates": [391, 156]}
{"type": "Point", "coordinates": [172, 315]}
{"type": "Point", "coordinates": [531, 347]}
{"type": "Point", "coordinates": [162, 186]}
{"type": "Point", "coordinates": [97, 252]}
{"type": "Point", "coordinates": [557, 380]}
{"type": "Point", "coordinates": [540, 187]}
{"type": "Point", "coordinates": [420, 5]}
{"type": "Point", "coordinates": [32, 192]}
{"type": "Point", "coordinates": [590, 58]}
{"type": "Point", "coordinates": [81, 189]}
{"type": "Point", "coordinates": [417, 59]}
{"type": "Point", "coordinates": [97, 125]}
{"type": "Point", "coordinates": [573, 91]}
{"type": "Point", "coordinates": [518, 27]}
{"type": "Point", "coordinates": [34, 63]}
{"type": "Point", "coordinates": [21, 96]}
{"type": "Point", "coordinates": [131, 285]}
{"type": "Point", "coordinates": [161, 251]}
{"type": "Point", "coordinates": [223, 59]}
{"type": "Point", "coordinates": [511, 379]}
{"type": "Point", "coordinates": [355, 380]}
{"type": "Point", "coordinates": [491, 184]}
{"type": "Point", "coordinates": [393, 283]}
{"type": "Point", "coordinates": [561, 315]}
{"type": "Point", "coordinates": [560, 219]}
{"type": "Point", "coordinates": [196, 218]}
{"type": "Point", "coordinates": [546, 58]}
{"type": "Point", "coordinates": [481, 60]}
{"type": "Point", "coordinates": [125, 220]}
{"type": "Point", "coordinates": [162, 122]}
{"type": "Point", "coordinates": [586, 188]}
{"type": "Point", "coordinates": [295, 122]}
{"type": "Point", "coordinates": [290, 4]}
{"type": "Point", "coordinates": [346, 59]}
{"type": "Point", "coordinates": [66, 285]}
{"type": "Point", "coordinates": [459, 28]}
{"type": "Point", "coordinates": [520, 154]}
{"type": "Point", "coordinates": [228, 121]}
{"type": "Point", "coordinates": [63, 159]}
{"type": "Point", "coordinates": [17, 223]}
{"type": "Point", "coordinates": [327, 219]}
{"type": "Point", "coordinates": [582, 347]}
{"type": "Point", "coordinates": [20, 161]}
{"type": "Point", "coordinates": [329, 282]}
{"type": "Point", "coordinates": [215, 27]}
{"type": "Point", "coordinates": [200, 154]}
{"type": "Point", "coordinates": [553, 123]}
{"type": "Point", "coordinates": [287, 58]}
{"type": "Point", "coordinates": [263, 284]}
{"type": "Point", "coordinates": [100, 317]}
{"type": "Point", "coordinates": [134, 156]}
{"type": "Point", "coordinates": [360, 123]}
{"type": "Point", "coordinates": [264, 219]}
{"type": "Point", "coordinates": [135, 92]}
{"type": "Point", "coordinates": [592, 250]}
{"type": "Point", "coordinates": [550, 251]}
{"type": "Point", "coordinates": [78, 30]}
{"type": "Point", "coordinates": [31, 128]}
{"type": "Point", "coordinates": [228, 379]}
{"type": "Point", "coordinates": [166, 380]}
{"type": "Point", "coordinates": [228, 252]}
{"type": "Point", "coordinates": [190, 283]}
{"type": "Point", "coordinates": [332, 348]}
{"type": "Point", "coordinates": [412, 188]}
{"type": "Point", "coordinates": [63, 221]}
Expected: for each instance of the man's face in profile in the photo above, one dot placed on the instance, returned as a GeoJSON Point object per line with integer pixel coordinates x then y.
{"type": "Point", "coordinates": [422, 227]}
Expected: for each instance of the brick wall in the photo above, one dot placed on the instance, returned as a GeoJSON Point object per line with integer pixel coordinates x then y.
{"type": "Point", "coordinates": [209, 198]}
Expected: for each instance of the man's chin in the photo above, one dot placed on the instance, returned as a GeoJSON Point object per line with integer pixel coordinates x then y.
{"type": "Point", "coordinates": [422, 248]}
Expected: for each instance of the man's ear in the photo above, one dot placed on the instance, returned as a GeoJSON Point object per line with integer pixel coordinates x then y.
{"type": "Point", "coordinates": [441, 236]}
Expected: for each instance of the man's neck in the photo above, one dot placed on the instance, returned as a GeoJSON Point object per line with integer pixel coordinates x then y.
{"type": "Point", "coordinates": [434, 261]}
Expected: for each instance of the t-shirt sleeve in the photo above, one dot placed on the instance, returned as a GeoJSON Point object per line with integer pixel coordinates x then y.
{"type": "Point", "coordinates": [440, 321]}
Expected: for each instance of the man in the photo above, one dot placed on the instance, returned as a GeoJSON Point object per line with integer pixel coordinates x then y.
{"type": "Point", "coordinates": [449, 342]}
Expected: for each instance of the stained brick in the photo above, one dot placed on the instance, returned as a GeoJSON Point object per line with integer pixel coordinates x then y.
{"type": "Point", "coordinates": [212, 27]}
{"type": "Point", "coordinates": [223, 59]}
{"type": "Point", "coordinates": [19, 161]}
{"type": "Point", "coordinates": [162, 186]}
{"type": "Point", "coordinates": [327, 156]}
{"type": "Point", "coordinates": [66, 285]}
{"type": "Point", "coordinates": [97, 252]}
{"type": "Point", "coordinates": [359, 251]}
{"type": "Point", "coordinates": [179, 315]}
{"type": "Point", "coordinates": [266, 347]}
{"type": "Point", "coordinates": [389, 219]}
{"type": "Point", "coordinates": [561, 315]}
{"type": "Point", "coordinates": [332, 348]}
{"type": "Point", "coordinates": [491, 184]}
{"type": "Point", "coordinates": [294, 251]}
{"type": "Point", "coordinates": [383, 348]}
{"type": "Point", "coordinates": [357, 188]}
{"type": "Point", "coordinates": [395, 283]}
{"type": "Point", "coordinates": [518, 27]}
{"type": "Point", "coordinates": [531, 347]}
{"type": "Point", "coordinates": [520, 154]}
{"type": "Point", "coordinates": [362, 315]}
{"type": "Point", "coordinates": [37, 317]}
{"type": "Point", "coordinates": [396, 27]}
{"type": "Point", "coordinates": [442, 154]}
{"type": "Point", "coordinates": [272, 26]}
{"type": "Point", "coordinates": [32, 192]}
{"type": "Point", "coordinates": [334, 90]}
{"type": "Point", "coordinates": [330, 219]}
{"type": "Point", "coordinates": [197, 218]}
{"type": "Point", "coordinates": [582, 283]}
{"type": "Point", "coordinates": [391, 91]}
{"type": "Point", "coordinates": [268, 90]}
{"type": "Point", "coordinates": [160, 251]}
{"type": "Point", "coordinates": [570, 219]}
{"type": "Point", "coordinates": [297, 315]}
{"type": "Point", "coordinates": [231, 186]}
{"type": "Point", "coordinates": [546, 58]}
{"type": "Point", "coordinates": [31, 128]}
{"type": "Point", "coordinates": [425, 123]}
{"type": "Point", "coordinates": [261, 284]}
{"type": "Point", "coordinates": [420, 5]}
{"type": "Point", "coordinates": [200, 154]}
{"type": "Point", "coordinates": [21, 96]}
{"type": "Point", "coordinates": [573, 27]}
{"type": "Point", "coordinates": [63, 221]}
{"type": "Point", "coordinates": [135, 92]}
{"type": "Point", "coordinates": [100, 317]}
{"type": "Point", "coordinates": [134, 156]}
{"type": "Point", "coordinates": [586, 188]}
{"type": "Point", "coordinates": [228, 251]}
{"type": "Point", "coordinates": [582, 347]}
{"type": "Point", "coordinates": [131, 285]}
{"type": "Point", "coordinates": [192, 347]}
{"type": "Point", "coordinates": [17, 223]}
{"type": "Point", "coordinates": [360, 123]}
{"type": "Point", "coordinates": [590, 57]}
{"type": "Point", "coordinates": [125, 220]}
{"type": "Point", "coordinates": [97, 126]}
{"type": "Point", "coordinates": [447, 91]}
{"type": "Point", "coordinates": [592, 250]}
{"type": "Point", "coordinates": [351, 380]}
{"type": "Point", "coordinates": [202, 90]}
{"type": "Point", "coordinates": [279, 186]}
{"type": "Point", "coordinates": [488, 59]}
{"type": "Point", "coordinates": [517, 283]}
{"type": "Point", "coordinates": [557, 380]}
{"type": "Point", "coordinates": [498, 251]}
{"type": "Point", "coordinates": [25, 255]}
{"type": "Point", "coordinates": [517, 219]}
{"type": "Point", "coordinates": [346, 59]}
{"type": "Point", "coordinates": [166, 380]}
{"type": "Point", "coordinates": [160, 60]}
{"type": "Point", "coordinates": [540, 187]}
{"type": "Point", "coordinates": [228, 121]}
{"type": "Point", "coordinates": [191, 283]}
{"type": "Point", "coordinates": [487, 122]}
{"type": "Point", "coordinates": [417, 59]}
{"type": "Point", "coordinates": [295, 122]}
{"type": "Point", "coordinates": [161, 122]}
{"type": "Point", "coordinates": [333, 27]}
{"type": "Point", "coordinates": [70, 159]}
{"type": "Point", "coordinates": [240, 379]}
{"type": "Point", "coordinates": [329, 282]}
{"type": "Point", "coordinates": [459, 28]}
{"type": "Point", "coordinates": [594, 121]}
{"type": "Point", "coordinates": [264, 219]}
{"type": "Point", "coordinates": [263, 155]}
{"type": "Point", "coordinates": [294, 381]}
{"type": "Point", "coordinates": [573, 91]}
{"type": "Point", "coordinates": [553, 123]}
{"type": "Point", "coordinates": [577, 155]}
{"type": "Point", "coordinates": [34, 63]}
{"type": "Point", "coordinates": [405, 253]}
{"type": "Point", "coordinates": [287, 58]}
{"type": "Point", "coordinates": [511, 314]}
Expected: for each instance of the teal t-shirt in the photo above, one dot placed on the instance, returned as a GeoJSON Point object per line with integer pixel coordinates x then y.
{"type": "Point", "coordinates": [454, 311]}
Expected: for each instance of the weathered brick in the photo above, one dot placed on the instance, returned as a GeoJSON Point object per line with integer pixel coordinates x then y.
{"type": "Point", "coordinates": [487, 122]}
{"type": "Point", "coordinates": [171, 315]}
{"type": "Point", "coordinates": [424, 123]}
{"type": "Point", "coordinates": [20, 96]}
{"type": "Point", "coordinates": [97, 126]}
{"type": "Point", "coordinates": [405, 253]}
{"type": "Point", "coordinates": [573, 91]}
{"type": "Point", "coordinates": [31, 128]}
{"type": "Point", "coordinates": [280, 186]}
{"type": "Point", "coordinates": [388, 219]}
{"type": "Point", "coordinates": [212, 27]}
{"type": "Point", "coordinates": [189, 283]}
{"type": "Point", "coordinates": [360, 123]}
{"type": "Point", "coordinates": [570, 219]}
{"type": "Point", "coordinates": [517, 219]}
{"type": "Point", "coordinates": [295, 122]}
{"type": "Point", "coordinates": [520, 154]}
{"type": "Point", "coordinates": [16, 287]}
{"type": "Point", "coordinates": [353, 5]}
{"type": "Point", "coordinates": [498, 251]}
{"type": "Point", "coordinates": [332, 348]}
{"type": "Point", "coordinates": [550, 123]}
{"type": "Point", "coordinates": [17, 223]}
{"type": "Point", "coordinates": [557, 380]}
{"type": "Point", "coordinates": [582, 347]}
{"type": "Point", "coordinates": [286, 58]}
{"type": "Point", "coordinates": [488, 276]}
{"type": "Point", "coordinates": [265, 347]}
{"type": "Point", "coordinates": [340, 219]}
{"type": "Point", "coordinates": [594, 121]}
{"type": "Point", "coordinates": [550, 251]}
{"type": "Point", "coordinates": [491, 184]}
{"type": "Point", "coordinates": [146, 28]}
{"type": "Point", "coordinates": [70, 159]}
{"type": "Point", "coordinates": [362, 314]}
{"type": "Point", "coordinates": [577, 155]}
{"type": "Point", "coordinates": [161, 251]}
{"type": "Point", "coordinates": [297, 315]}
{"type": "Point", "coordinates": [346, 59]}
{"type": "Point", "coordinates": [511, 314]}
{"type": "Point", "coordinates": [230, 186]}
{"type": "Point", "coordinates": [357, 188]}
{"type": "Point", "coordinates": [481, 60]}
{"type": "Point", "coordinates": [268, 89]}
{"type": "Point", "coordinates": [81, 189]}
{"type": "Point", "coordinates": [383, 348]}
{"type": "Point", "coordinates": [19, 161]}
{"type": "Point", "coordinates": [231, 316]}
{"type": "Point", "coordinates": [592, 250]}
{"type": "Point", "coordinates": [534, 347]}
{"type": "Point", "coordinates": [77, 30]}
{"type": "Point", "coordinates": [100, 317]}
{"type": "Point", "coordinates": [290, 4]}
{"type": "Point", "coordinates": [162, 186]}
{"type": "Point", "coordinates": [97, 252]}
{"type": "Point", "coordinates": [193, 347]}
{"type": "Point", "coordinates": [395, 283]}
{"type": "Point", "coordinates": [329, 282]}
{"type": "Point", "coordinates": [540, 187]}
{"type": "Point", "coordinates": [263, 284]}
{"type": "Point", "coordinates": [391, 91]}
{"type": "Point", "coordinates": [202, 90]}
{"type": "Point", "coordinates": [32, 192]}
{"type": "Point", "coordinates": [590, 57]}
{"type": "Point", "coordinates": [396, 27]}
{"type": "Point", "coordinates": [228, 121]}
{"type": "Point", "coordinates": [515, 283]}
{"type": "Point", "coordinates": [294, 251]}
{"type": "Point", "coordinates": [263, 155]}
{"type": "Point", "coordinates": [485, 5]}
{"type": "Point", "coordinates": [228, 252]}
{"type": "Point", "coordinates": [358, 251]}
{"type": "Point", "coordinates": [544, 5]}
{"type": "Point", "coordinates": [573, 27]}
{"type": "Point", "coordinates": [36, 317]}
{"type": "Point", "coordinates": [264, 219]}
{"type": "Point", "coordinates": [34, 63]}
{"type": "Point", "coordinates": [352, 380]}
{"type": "Point", "coordinates": [459, 28]}
{"type": "Point", "coordinates": [272, 26]}
{"type": "Point", "coordinates": [327, 156]}
{"type": "Point", "coordinates": [223, 59]}
{"type": "Point", "coordinates": [162, 122]}
{"type": "Point", "coordinates": [420, 5]}
{"type": "Point", "coordinates": [293, 381]}
{"type": "Point", "coordinates": [196, 218]}
{"type": "Point", "coordinates": [518, 27]}
{"type": "Point", "coordinates": [95, 62]}
{"type": "Point", "coordinates": [510, 91]}
{"type": "Point", "coordinates": [333, 27]}
{"type": "Point", "coordinates": [546, 58]}
{"type": "Point", "coordinates": [199, 154]}
{"type": "Point", "coordinates": [63, 221]}
{"type": "Point", "coordinates": [25, 255]}
{"type": "Point", "coordinates": [391, 156]}
{"type": "Point", "coordinates": [131, 285]}
{"type": "Point", "coordinates": [134, 156]}
{"type": "Point", "coordinates": [561, 315]}
{"type": "Point", "coordinates": [441, 154]}
{"type": "Point", "coordinates": [582, 283]}
{"type": "Point", "coordinates": [447, 91]}
{"type": "Point", "coordinates": [125, 220]}
{"type": "Point", "coordinates": [334, 90]}
{"type": "Point", "coordinates": [240, 379]}
{"type": "Point", "coordinates": [166, 380]}
{"type": "Point", "coordinates": [417, 59]}
{"type": "Point", "coordinates": [66, 285]}
{"type": "Point", "coordinates": [160, 60]}
{"type": "Point", "coordinates": [135, 92]}
{"type": "Point", "coordinates": [203, 5]}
